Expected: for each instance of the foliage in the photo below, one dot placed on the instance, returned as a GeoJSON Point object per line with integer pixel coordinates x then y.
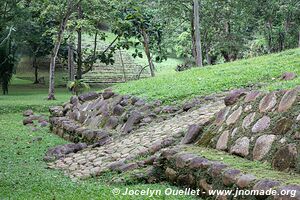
{"type": "Point", "coordinates": [131, 19]}
{"type": "Point", "coordinates": [78, 86]}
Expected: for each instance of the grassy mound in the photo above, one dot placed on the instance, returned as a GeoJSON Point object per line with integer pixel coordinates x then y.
{"type": "Point", "coordinates": [265, 70]}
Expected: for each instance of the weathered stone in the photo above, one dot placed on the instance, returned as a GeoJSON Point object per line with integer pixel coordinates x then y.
{"type": "Point", "coordinates": [134, 100]}
{"type": "Point", "coordinates": [261, 125]}
{"type": "Point", "coordinates": [216, 169]}
{"type": "Point", "coordinates": [128, 167]}
{"type": "Point", "coordinates": [248, 108]}
{"type": "Point", "coordinates": [133, 119]}
{"type": "Point", "coordinates": [112, 122]}
{"type": "Point", "coordinates": [234, 116]}
{"type": "Point", "coordinates": [268, 102]}
{"type": "Point", "coordinates": [74, 99]}
{"type": "Point", "coordinates": [56, 111]}
{"type": "Point", "coordinates": [285, 158]}
{"type": "Point", "coordinates": [108, 93]}
{"type": "Point", "coordinates": [222, 141]}
{"type": "Point", "coordinates": [245, 180]}
{"type": "Point", "coordinates": [116, 165]}
{"type": "Point", "coordinates": [140, 103]}
{"type": "Point", "coordinates": [194, 131]}
{"type": "Point", "coordinates": [171, 175]}
{"type": "Point", "coordinates": [27, 120]}
{"type": "Point", "coordinates": [241, 147]}
{"type": "Point", "coordinates": [101, 142]}
{"type": "Point", "coordinates": [183, 159]}
{"type": "Point", "coordinates": [221, 116]}
{"type": "Point", "coordinates": [287, 76]}
{"type": "Point", "coordinates": [298, 118]}
{"type": "Point", "coordinates": [292, 190]}
{"type": "Point", "coordinates": [95, 122]}
{"type": "Point", "coordinates": [263, 146]}
{"type": "Point", "coordinates": [234, 96]}
{"type": "Point", "coordinates": [88, 96]}
{"type": "Point", "coordinates": [230, 176]}
{"type": "Point", "coordinates": [296, 136]}
{"type": "Point", "coordinates": [248, 120]}
{"type": "Point", "coordinates": [44, 124]}
{"type": "Point", "coordinates": [186, 180]}
{"type": "Point", "coordinates": [199, 163]}
{"type": "Point", "coordinates": [170, 109]}
{"type": "Point", "coordinates": [150, 160]}
{"type": "Point", "coordinates": [168, 153]}
{"type": "Point", "coordinates": [118, 110]}
{"type": "Point", "coordinates": [265, 185]}
{"type": "Point", "coordinates": [88, 135]}
{"type": "Point", "coordinates": [205, 186]}
{"type": "Point", "coordinates": [100, 134]}
{"type": "Point", "coordinates": [288, 100]}
{"type": "Point", "coordinates": [234, 132]}
{"type": "Point", "coordinates": [62, 150]}
{"type": "Point", "coordinates": [252, 96]}
{"type": "Point", "coordinates": [283, 126]}
{"type": "Point", "coordinates": [188, 105]}
{"type": "Point", "coordinates": [27, 113]}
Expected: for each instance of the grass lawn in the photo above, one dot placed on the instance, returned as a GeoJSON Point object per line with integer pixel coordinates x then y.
{"type": "Point", "coordinates": [23, 173]}
{"type": "Point", "coordinates": [265, 70]}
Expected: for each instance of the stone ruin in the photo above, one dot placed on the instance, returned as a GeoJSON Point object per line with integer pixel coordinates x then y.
{"type": "Point", "coordinates": [124, 69]}
{"type": "Point", "coordinates": [99, 118]}
{"type": "Point", "coordinates": [259, 126]}
{"type": "Point", "coordinates": [123, 133]}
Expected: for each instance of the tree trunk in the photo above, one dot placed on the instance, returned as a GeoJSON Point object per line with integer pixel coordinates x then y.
{"type": "Point", "coordinates": [208, 57]}
{"type": "Point", "coordinates": [197, 34]}
{"type": "Point", "coordinates": [95, 50]}
{"type": "Point", "coordinates": [123, 66]}
{"type": "Point", "coordinates": [79, 49]}
{"type": "Point", "coordinates": [71, 62]}
{"type": "Point", "coordinates": [193, 34]}
{"type": "Point", "coordinates": [147, 51]}
{"type": "Point", "coordinates": [54, 53]}
{"type": "Point", "coordinates": [36, 81]}
{"type": "Point", "coordinates": [299, 40]}
{"type": "Point", "coordinates": [269, 27]}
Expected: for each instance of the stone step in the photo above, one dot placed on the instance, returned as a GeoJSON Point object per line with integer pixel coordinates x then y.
{"type": "Point", "coordinates": [208, 169]}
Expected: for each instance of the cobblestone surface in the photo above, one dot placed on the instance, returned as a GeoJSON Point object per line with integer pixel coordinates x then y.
{"type": "Point", "coordinates": [144, 141]}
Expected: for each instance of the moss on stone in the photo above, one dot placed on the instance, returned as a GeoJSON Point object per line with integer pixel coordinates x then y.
{"type": "Point", "coordinates": [259, 169]}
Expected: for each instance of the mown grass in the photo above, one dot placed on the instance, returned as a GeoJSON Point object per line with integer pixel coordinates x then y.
{"type": "Point", "coordinates": [23, 173]}
{"type": "Point", "coordinates": [261, 72]}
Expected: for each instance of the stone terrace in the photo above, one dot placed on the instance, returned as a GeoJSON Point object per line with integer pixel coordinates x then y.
{"type": "Point", "coordinates": [143, 141]}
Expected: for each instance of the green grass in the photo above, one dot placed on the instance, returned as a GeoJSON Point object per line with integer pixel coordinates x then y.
{"type": "Point", "coordinates": [25, 95]}
{"type": "Point", "coordinates": [259, 169]}
{"type": "Point", "coordinates": [265, 70]}
{"type": "Point", "coordinates": [23, 173]}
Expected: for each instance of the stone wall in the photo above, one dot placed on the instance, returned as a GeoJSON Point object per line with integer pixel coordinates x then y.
{"type": "Point", "coordinates": [192, 171]}
{"type": "Point", "coordinates": [97, 118]}
{"type": "Point", "coordinates": [259, 126]}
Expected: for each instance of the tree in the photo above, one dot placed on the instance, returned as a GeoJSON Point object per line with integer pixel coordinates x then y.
{"type": "Point", "coordinates": [70, 8]}
{"type": "Point", "coordinates": [7, 61]}
{"type": "Point", "coordinates": [197, 34]}
{"type": "Point", "coordinates": [135, 22]}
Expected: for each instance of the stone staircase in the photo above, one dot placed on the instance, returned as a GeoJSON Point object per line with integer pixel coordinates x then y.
{"type": "Point", "coordinates": [123, 69]}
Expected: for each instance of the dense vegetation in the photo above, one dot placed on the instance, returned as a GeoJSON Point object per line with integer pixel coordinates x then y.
{"type": "Point", "coordinates": [221, 31]}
